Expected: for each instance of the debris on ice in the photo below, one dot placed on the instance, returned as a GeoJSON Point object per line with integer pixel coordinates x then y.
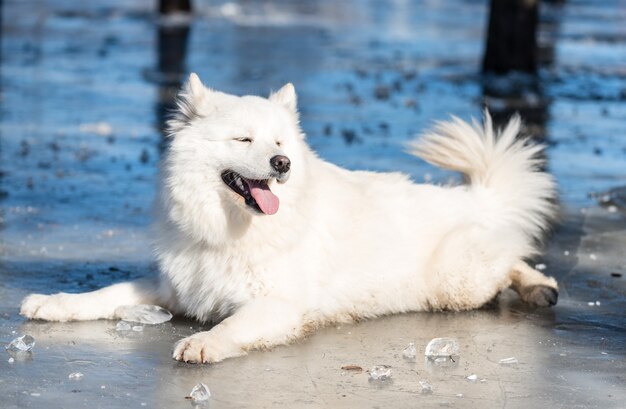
{"type": "Point", "coordinates": [75, 376]}
{"type": "Point", "coordinates": [410, 352]}
{"type": "Point", "coordinates": [21, 344]}
{"type": "Point", "coordinates": [472, 378]}
{"type": "Point", "coordinates": [442, 351]}
{"type": "Point", "coordinates": [143, 314]}
{"type": "Point", "coordinates": [508, 361]}
{"type": "Point", "coordinates": [426, 388]}
{"type": "Point", "coordinates": [200, 393]}
{"type": "Point", "coordinates": [380, 372]}
{"type": "Point", "coordinates": [122, 326]}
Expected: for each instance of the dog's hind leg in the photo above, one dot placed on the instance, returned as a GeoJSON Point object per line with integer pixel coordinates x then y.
{"type": "Point", "coordinates": [532, 286]}
{"type": "Point", "coordinates": [99, 304]}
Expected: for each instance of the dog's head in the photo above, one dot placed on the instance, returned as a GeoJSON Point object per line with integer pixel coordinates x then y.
{"type": "Point", "coordinates": [231, 152]}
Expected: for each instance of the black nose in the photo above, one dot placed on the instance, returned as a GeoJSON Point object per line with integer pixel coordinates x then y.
{"type": "Point", "coordinates": [280, 163]}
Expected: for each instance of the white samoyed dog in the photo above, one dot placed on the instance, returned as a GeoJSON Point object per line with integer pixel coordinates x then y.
{"type": "Point", "coordinates": [268, 241]}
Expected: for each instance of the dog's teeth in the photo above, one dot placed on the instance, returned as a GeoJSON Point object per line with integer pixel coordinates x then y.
{"type": "Point", "coordinates": [239, 183]}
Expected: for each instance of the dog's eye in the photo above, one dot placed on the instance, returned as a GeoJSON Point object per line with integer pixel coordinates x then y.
{"type": "Point", "coordinates": [244, 140]}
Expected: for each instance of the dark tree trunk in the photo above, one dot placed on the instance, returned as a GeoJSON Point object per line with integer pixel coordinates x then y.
{"type": "Point", "coordinates": [512, 37]}
{"type": "Point", "coordinates": [174, 6]}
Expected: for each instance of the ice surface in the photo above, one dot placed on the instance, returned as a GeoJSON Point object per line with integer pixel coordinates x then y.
{"type": "Point", "coordinates": [122, 326]}
{"type": "Point", "coordinates": [143, 314]}
{"type": "Point", "coordinates": [425, 388]}
{"type": "Point", "coordinates": [442, 350]}
{"type": "Point", "coordinates": [508, 361]}
{"type": "Point", "coordinates": [380, 372]}
{"type": "Point", "coordinates": [200, 393]}
{"type": "Point", "coordinates": [75, 376]}
{"type": "Point", "coordinates": [99, 128]}
{"type": "Point", "coordinates": [410, 351]}
{"type": "Point", "coordinates": [21, 344]}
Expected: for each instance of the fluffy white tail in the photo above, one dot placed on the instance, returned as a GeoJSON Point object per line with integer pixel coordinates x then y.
{"type": "Point", "coordinates": [497, 161]}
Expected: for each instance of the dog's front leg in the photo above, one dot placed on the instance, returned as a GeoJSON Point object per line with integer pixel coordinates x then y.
{"type": "Point", "coordinates": [94, 305]}
{"type": "Point", "coordinates": [260, 324]}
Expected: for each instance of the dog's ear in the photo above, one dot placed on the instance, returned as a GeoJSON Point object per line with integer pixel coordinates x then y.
{"type": "Point", "coordinates": [286, 96]}
{"type": "Point", "coordinates": [188, 102]}
{"type": "Point", "coordinates": [195, 87]}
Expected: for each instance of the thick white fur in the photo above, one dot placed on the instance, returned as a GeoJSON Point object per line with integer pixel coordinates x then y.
{"type": "Point", "coordinates": [343, 246]}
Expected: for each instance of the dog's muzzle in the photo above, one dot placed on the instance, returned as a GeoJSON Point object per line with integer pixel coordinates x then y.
{"type": "Point", "coordinates": [282, 165]}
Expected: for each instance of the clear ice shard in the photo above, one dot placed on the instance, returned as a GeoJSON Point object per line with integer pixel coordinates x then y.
{"type": "Point", "coordinates": [143, 314]}
{"type": "Point", "coordinates": [200, 393]}
{"type": "Point", "coordinates": [508, 361]}
{"type": "Point", "coordinates": [410, 351]}
{"type": "Point", "coordinates": [122, 326]}
{"type": "Point", "coordinates": [442, 349]}
{"type": "Point", "coordinates": [380, 372]}
{"type": "Point", "coordinates": [426, 388]}
{"type": "Point", "coordinates": [472, 378]}
{"type": "Point", "coordinates": [21, 344]}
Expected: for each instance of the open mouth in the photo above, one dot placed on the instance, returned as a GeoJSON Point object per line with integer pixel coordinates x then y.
{"type": "Point", "coordinates": [256, 193]}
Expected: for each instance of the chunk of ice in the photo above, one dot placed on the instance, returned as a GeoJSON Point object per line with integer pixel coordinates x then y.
{"type": "Point", "coordinates": [508, 361]}
{"type": "Point", "coordinates": [380, 372]}
{"type": "Point", "coordinates": [21, 344]}
{"type": "Point", "coordinates": [75, 376]}
{"type": "Point", "coordinates": [122, 326]}
{"type": "Point", "coordinates": [200, 393]}
{"type": "Point", "coordinates": [472, 378]}
{"type": "Point", "coordinates": [425, 388]}
{"type": "Point", "coordinates": [410, 352]}
{"type": "Point", "coordinates": [143, 314]}
{"type": "Point", "coordinates": [138, 328]}
{"type": "Point", "coordinates": [540, 267]}
{"type": "Point", "coordinates": [442, 350]}
{"type": "Point", "coordinates": [11, 360]}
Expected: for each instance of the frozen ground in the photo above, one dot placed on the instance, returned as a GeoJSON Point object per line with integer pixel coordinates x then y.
{"type": "Point", "coordinates": [83, 88]}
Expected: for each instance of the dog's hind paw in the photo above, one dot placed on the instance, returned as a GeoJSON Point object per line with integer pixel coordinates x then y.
{"type": "Point", "coordinates": [205, 348]}
{"type": "Point", "coordinates": [540, 295]}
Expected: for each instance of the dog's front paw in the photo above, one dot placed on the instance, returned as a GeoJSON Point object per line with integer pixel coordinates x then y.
{"type": "Point", "coordinates": [205, 348]}
{"type": "Point", "coordinates": [46, 307]}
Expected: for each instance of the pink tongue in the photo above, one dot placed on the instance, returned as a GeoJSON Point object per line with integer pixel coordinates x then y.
{"type": "Point", "coordinates": [267, 201]}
